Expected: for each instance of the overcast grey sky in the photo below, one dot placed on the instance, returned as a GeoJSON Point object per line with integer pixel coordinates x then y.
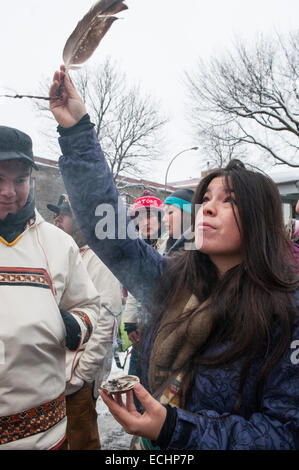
{"type": "Point", "coordinates": [154, 43]}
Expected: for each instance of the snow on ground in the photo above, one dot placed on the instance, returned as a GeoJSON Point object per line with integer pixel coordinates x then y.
{"type": "Point", "coordinates": [112, 435]}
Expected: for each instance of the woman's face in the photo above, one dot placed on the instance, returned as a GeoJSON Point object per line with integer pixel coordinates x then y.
{"type": "Point", "coordinates": [216, 231]}
{"type": "Point", "coordinates": [173, 220]}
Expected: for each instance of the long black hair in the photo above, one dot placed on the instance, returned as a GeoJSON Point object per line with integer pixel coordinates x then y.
{"type": "Point", "coordinates": [251, 304]}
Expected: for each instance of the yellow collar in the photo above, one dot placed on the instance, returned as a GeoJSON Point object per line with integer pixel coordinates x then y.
{"type": "Point", "coordinates": [11, 243]}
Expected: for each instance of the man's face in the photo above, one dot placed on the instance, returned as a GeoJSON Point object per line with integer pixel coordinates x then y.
{"type": "Point", "coordinates": [148, 223]}
{"type": "Point", "coordinates": [14, 186]}
{"type": "Point", "coordinates": [64, 221]}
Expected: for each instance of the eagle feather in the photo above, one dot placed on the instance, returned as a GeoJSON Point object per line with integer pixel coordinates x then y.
{"type": "Point", "coordinates": [90, 30]}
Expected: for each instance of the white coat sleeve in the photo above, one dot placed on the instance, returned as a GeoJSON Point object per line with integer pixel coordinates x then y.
{"type": "Point", "coordinates": [80, 297]}
{"type": "Point", "coordinates": [92, 360]}
{"type": "Point", "coordinates": [131, 312]}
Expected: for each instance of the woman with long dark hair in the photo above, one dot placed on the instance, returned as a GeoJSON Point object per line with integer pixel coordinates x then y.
{"type": "Point", "coordinates": [220, 342]}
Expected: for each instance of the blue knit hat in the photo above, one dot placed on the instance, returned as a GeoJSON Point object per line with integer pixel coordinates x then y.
{"type": "Point", "coordinates": [182, 199]}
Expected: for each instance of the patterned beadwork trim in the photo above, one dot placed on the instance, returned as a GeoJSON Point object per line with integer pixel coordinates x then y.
{"type": "Point", "coordinates": [25, 277]}
{"type": "Point", "coordinates": [84, 250]}
{"type": "Point", "coordinates": [32, 421]}
{"type": "Point", "coordinates": [85, 319]}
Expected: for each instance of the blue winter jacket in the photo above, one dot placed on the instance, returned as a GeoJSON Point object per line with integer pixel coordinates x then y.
{"type": "Point", "coordinates": [207, 422]}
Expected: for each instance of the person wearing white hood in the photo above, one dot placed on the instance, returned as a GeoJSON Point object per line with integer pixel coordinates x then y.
{"type": "Point", "coordinates": [93, 363]}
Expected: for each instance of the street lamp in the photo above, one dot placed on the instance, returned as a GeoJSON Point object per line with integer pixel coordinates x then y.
{"type": "Point", "coordinates": [182, 151]}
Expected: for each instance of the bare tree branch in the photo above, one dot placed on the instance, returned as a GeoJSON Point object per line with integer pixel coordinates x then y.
{"type": "Point", "coordinates": [127, 123]}
{"type": "Point", "coordinates": [254, 91]}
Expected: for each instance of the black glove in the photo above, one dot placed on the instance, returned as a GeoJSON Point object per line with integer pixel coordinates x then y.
{"type": "Point", "coordinates": [73, 331]}
{"type": "Point", "coordinates": [130, 327]}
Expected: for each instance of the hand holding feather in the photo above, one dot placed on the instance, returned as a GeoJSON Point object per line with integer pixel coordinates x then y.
{"type": "Point", "coordinates": [65, 103]}
{"type": "Point", "coordinates": [85, 38]}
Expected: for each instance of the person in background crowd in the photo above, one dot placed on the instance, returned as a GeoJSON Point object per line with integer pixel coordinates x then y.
{"type": "Point", "coordinates": [86, 370]}
{"type": "Point", "coordinates": [293, 234]}
{"type": "Point", "coordinates": [218, 354]}
{"type": "Point", "coordinates": [47, 303]}
{"type": "Point", "coordinates": [177, 218]}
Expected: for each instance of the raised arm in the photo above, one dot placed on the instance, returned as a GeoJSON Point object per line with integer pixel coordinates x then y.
{"type": "Point", "coordinates": [94, 198]}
